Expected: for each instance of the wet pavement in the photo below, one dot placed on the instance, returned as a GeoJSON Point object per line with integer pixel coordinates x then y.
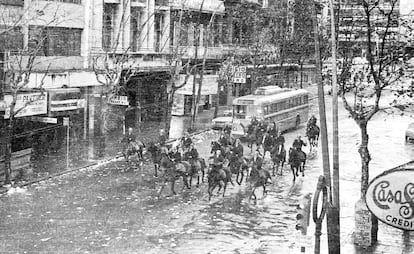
{"type": "Point", "coordinates": [113, 208]}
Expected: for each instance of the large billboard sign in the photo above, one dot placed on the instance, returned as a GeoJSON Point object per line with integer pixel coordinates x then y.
{"type": "Point", "coordinates": [27, 104]}
{"type": "Point", "coordinates": [390, 197]}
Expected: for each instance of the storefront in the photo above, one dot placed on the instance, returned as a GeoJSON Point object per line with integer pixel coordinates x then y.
{"type": "Point", "coordinates": [183, 97]}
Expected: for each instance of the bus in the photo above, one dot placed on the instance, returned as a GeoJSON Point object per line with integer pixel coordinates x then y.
{"type": "Point", "coordinates": [288, 108]}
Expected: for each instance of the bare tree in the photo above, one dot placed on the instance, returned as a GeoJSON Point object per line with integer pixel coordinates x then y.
{"type": "Point", "coordinates": [363, 80]}
{"type": "Point", "coordinates": [19, 63]}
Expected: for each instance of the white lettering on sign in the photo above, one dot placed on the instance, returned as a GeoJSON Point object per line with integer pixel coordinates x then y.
{"type": "Point", "coordinates": [118, 100]}
{"type": "Point", "coordinates": [239, 75]}
{"type": "Point", "coordinates": [390, 196]}
{"type": "Point", "coordinates": [66, 105]}
{"type": "Point", "coordinates": [27, 104]}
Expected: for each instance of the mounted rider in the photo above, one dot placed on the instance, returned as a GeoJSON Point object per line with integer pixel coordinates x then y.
{"type": "Point", "coordinates": [186, 141]}
{"type": "Point", "coordinates": [192, 156]}
{"type": "Point", "coordinates": [272, 130]}
{"type": "Point", "coordinates": [129, 137]}
{"type": "Point", "coordinates": [175, 154]}
{"type": "Point", "coordinates": [298, 143]}
{"type": "Point", "coordinates": [238, 150]}
{"type": "Point", "coordinates": [311, 123]}
{"type": "Point", "coordinates": [257, 160]}
{"type": "Point", "coordinates": [267, 142]}
{"type": "Point", "coordinates": [162, 138]}
{"type": "Point", "coordinates": [218, 160]}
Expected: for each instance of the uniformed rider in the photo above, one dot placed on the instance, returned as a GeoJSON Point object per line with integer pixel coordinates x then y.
{"type": "Point", "coordinates": [298, 143]}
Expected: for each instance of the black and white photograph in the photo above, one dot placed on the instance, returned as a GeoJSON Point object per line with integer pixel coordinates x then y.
{"type": "Point", "coordinates": [207, 126]}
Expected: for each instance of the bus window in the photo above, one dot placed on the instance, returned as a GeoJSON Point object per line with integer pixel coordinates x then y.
{"type": "Point", "coordinates": [266, 110]}
{"type": "Point", "coordinates": [306, 99]}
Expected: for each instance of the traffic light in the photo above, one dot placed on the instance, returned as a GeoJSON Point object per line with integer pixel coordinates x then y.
{"type": "Point", "coordinates": [302, 216]}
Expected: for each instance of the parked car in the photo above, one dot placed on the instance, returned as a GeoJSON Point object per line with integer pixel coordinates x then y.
{"type": "Point", "coordinates": [409, 133]}
{"type": "Point", "coordinates": [221, 121]}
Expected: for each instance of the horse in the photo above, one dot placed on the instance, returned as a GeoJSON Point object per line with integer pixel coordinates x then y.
{"type": "Point", "coordinates": [173, 171]}
{"type": "Point", "coordinates": [278, 155]}
{"type": "Point", "coordinates": [259, 177]}
{"type": "Point", "coordinates": [250, 133]}
{"type": "Point", "coordinates": [134, 148]}
{"type": "Point", "coordinates": [198, 167]}
{"type": "Point", "coordinates": [239, 166]}
{"type": "Point", "coordinates": [313, 136]}
{"type": "Point", "coordinates": [155, 151]}
{"type": "Point", "coordinates": [297, 160]}
{"type": "Point", "coordinates": [219, 177]}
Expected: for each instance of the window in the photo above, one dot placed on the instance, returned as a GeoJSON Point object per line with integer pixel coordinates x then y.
{"type": "Point", "coordinates": [159, 30]}
{"type": "Point", "coordinates": [55, 41]}
{"type": "Point", "coordinates": [108, 20]}
{"type": "Point", "coordinates": [11, 39]}
{"type": "Point", "coordinates": [135, 29]}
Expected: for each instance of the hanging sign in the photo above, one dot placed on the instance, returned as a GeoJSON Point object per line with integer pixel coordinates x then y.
{"type": "Point", "coordinates": [390, 197]}
{"type": "Point", "coordinates": [118, 100]}
{"type": "Point", "coordinates": [27, 104]}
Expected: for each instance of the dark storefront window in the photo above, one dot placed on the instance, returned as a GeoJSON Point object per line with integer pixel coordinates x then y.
{"type": "Point", "coordinates": [55, 41]}
{"type": "Point", "coordinates": [11, 38]}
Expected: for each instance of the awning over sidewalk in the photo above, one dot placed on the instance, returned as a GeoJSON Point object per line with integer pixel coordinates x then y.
{"type": "Point", "coordinates": [209, 86]}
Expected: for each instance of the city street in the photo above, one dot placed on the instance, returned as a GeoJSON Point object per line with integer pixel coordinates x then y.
{"type": "Point", "coordinates": [113, 208]}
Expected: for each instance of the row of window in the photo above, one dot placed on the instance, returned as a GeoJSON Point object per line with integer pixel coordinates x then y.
{"type": "Point", "coordinates": [55, 41]}
{"type": "Point", "coordinates": [290, 103]}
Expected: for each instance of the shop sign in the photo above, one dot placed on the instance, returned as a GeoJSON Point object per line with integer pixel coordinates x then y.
{"type": "Point", "coordinates": [390, 197]}
{"type": "Point", "coordinates": [44, 119]}
{"type": "Point", "coordinates": [209, 85]}
{"type": "Point", "coordinates": [66, 105]}
{"type": "Point", "coordinates": [27, 104]}
{"type": "Point", "coordinates": [118, 100]}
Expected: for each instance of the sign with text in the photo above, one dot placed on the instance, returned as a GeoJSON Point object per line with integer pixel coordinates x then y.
{"type": "Point", "coordinates": [390, 197]}
{"type": "Point", "coordinates": [27, 104]}
{"type": "Point", "coordinates": [363, 225]}
{"type": "Point", "coordinates": [44, 119]}
{"type": "Point", "coordinates": [239, 74]}
{"type": "Point", "coordinates": [118, 100]}
{"type": "Point", "coordinates": [66, 105]}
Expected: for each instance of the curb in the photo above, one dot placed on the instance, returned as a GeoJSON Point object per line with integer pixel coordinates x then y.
{"type": "Point", "coordinates": [97, 163]}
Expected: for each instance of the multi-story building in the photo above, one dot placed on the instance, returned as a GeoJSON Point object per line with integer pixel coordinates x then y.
{"type": "Point", "coordinates": [352, 26]}
{"type": "Point", "coordinates": [71, 35]}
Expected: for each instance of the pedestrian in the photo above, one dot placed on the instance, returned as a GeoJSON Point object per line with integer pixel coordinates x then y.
{"type": "Point", "coordinates": [186, 141]}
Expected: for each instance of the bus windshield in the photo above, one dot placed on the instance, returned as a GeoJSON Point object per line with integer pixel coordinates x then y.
{"type": "Point", "coordinates": [239, 111]}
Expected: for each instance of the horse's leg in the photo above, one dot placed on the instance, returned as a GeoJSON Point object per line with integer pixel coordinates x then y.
{"type": "Point", "coordinates": [162, 188]}
{"type": "Point", "coordinates": [172, 187]}
{"type": "Point", "coordinates": [253, 194]}
{"type": "Point", "coordinates": [264, 190]}
{"type": "Point", "coordinates": [156, 170]}
{"type": "Point", "coordinates": [293, 172]}
{"type": "Point", "coordinates": [225, 187]}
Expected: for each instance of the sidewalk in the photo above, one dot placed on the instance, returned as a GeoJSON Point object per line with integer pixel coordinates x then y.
{"type": "Point", "coordinates": [81, 152]}
{"type": "Point", "coordinates": [390, 240]}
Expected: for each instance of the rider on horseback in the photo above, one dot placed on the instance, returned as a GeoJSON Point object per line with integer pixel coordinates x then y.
{"type": "Point", "coordinates": [162, 138]}
{"type": "Point", "coordinates": [312, 122]}
{"type": "Point", "coordinates": [186, 141]}
{"type": "Point", "coordinates": [129, 137]}
{"type": "Point", "coordinates": [192, 156]}
{"type": "Point", "coordinates": [298, 143]}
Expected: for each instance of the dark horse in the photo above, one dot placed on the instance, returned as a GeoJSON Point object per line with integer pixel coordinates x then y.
{"type": "Point", "coordinates": [312, 131]}
{"type": "Point", "coordinates": [198, 167]}
{"type": "Point", "coordinates": [259, 177]}
{"type": "Point", "coordinates": [218, 177]}
{"type": "Point", "coordinates": [297, 160]}
{"type": "Point", "coordinates": [239, 166]}
{"type": "Point", "coordinates": [278, 155]}
{"type": "Point", "coordinates": [155, 151]}
{"type": "Point", "coordinates": [250, 132]}
{"type": "Point", "coordinates": [173, 171]}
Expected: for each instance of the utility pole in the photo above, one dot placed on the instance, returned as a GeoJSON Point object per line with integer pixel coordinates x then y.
{"type": "Point", "coordinates": [324, 131]}
{"type": "Point", "coordinates": [334, 209]}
